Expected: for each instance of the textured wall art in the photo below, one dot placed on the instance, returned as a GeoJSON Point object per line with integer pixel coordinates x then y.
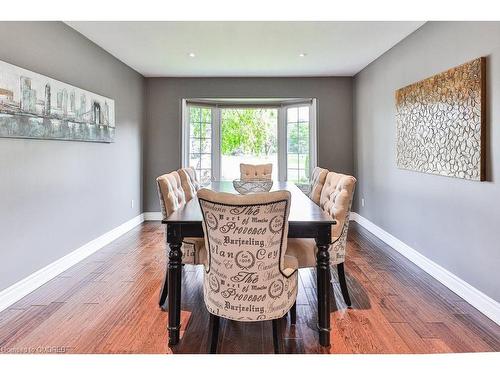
{"type": "Point", "coordinates": [441, 123]}
{"type": "Point", "coordinates": [35, 106]}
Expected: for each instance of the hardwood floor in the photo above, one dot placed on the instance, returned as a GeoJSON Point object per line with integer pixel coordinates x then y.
{"type": "Point", "coordinates": [108, 304]}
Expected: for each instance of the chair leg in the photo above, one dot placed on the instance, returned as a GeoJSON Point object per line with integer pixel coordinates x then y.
{"type": "Point", "coordinates": [213, 334]}
{"type": "Point", "coordinates": [278, 336]}
{"type": "Point", "coordinates": [343, 283]}
{"type": "Point", "coordinates": [293, 314]}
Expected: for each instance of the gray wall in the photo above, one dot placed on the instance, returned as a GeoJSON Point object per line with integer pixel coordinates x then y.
{"type": "Point", "coordinates": [56, 195]}
{"type": "Point", "coordinates": [451, 221]}
{"type": "Point", "coordinates": [162, 138]}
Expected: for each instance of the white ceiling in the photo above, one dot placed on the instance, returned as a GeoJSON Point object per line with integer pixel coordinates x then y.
{"type": "Point", "coordinates": [246, 49]}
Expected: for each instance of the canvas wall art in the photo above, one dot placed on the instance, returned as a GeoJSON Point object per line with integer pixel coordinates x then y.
{"type": "Point", "coordinates": [441, 123]}
{"type": "Point", "coordinates": [35, 106]}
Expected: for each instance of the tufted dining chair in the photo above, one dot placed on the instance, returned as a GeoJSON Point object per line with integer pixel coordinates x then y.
{"type": "Point", "coordinates": [172, 197]}
{"type": "Point", "coordinates": [188, 183]}
{"type": "Point", "coordinates": [194, 180]}
{"type": "Point", "coordinates": [318, 177]}
{"type": "Point", "coordinates": [256, 171]}
{"type": "Point", "coordinates": [247, 275]}
{"type": "Point", "coordinates": [336, 199]}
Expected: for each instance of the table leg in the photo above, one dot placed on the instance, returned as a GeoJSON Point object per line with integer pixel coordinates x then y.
{"type": "Point", "coordinates": [323, 290]}
{"type": "Point", "coordinates": [164, 289]}
{"type": "Point", "coordinates": [174, 284]}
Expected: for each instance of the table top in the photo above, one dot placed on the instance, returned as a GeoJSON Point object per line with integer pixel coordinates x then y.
{"type": "Point", "coordinates": [302, 209]}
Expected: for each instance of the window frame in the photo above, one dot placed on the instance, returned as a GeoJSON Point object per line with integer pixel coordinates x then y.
{"type": "Point", "coordinates": [217, 104]}
{"type": "Point", "coordinates": [313, 139]}
{"type": "Point", "coordinates": [186, 138]}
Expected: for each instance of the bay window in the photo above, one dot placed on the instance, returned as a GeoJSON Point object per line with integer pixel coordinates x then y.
{"type": "Point", "coordinates": [219, 134]}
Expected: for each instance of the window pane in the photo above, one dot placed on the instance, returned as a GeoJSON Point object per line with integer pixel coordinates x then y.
{"type": "Point", "coordinates": [194, 114]}
{"type": "Point", "coordinates": [304, 114]}
{"type": "Point", "coordinates": [298, 144]}
{"type": "Point", "coordinates": [303, 176]}
{"type": "Point", "coordinates": [206, 115]}
{"type": "Point", "coordinates": [206, 145]}
{"type": "Point", "coordinates": [248, 135]}
{"type": "Point", "coordinates": [194, 145]}
{"type": "Point", "coordinates": [206, 130]}
{"type": "Point", "coordinates": [304, 161]}
{"type": "Point", "coordinates": [207, 134]}
{"type": "Point", "coordinates": [194, 161]}
{"type": "Point", "coordinates": [293, 175]}
{"type": "Point", "coordinates": [200, 142]}
{"type": "Point", "coordinates": [292, 115]}
{"type": "Point", "coordinates": [206, 161]}
{"type": "Point", "coordinates": [293, 161]}
{"type": "Point", "coordinates": [205, 175]}
{"type": "Point", "coordinates": [304, 138]}
{"type": "Point", "coordinates": [195, 130]}
{"type": "Point", "coordinates": [292, 138]}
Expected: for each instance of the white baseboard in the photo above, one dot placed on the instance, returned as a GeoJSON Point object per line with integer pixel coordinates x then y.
{"type": "Point", "coordinates": [20, 289]}
{"type": "Point", "coordinates": [476, 298]}
{"type": "Point", "coordinates": [153, 216]}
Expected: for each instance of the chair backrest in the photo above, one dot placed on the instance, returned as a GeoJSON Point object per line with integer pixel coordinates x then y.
{"type": "Point", "coordinates": [170, 193]}
{"type": "Point", "coordinates": [318, 178]}
{"type": "Point", "coordinates": [246, 238]}
{"type": "Point", "coordinates": [256, 171]}
{"type": "Point", "coordinates": [336, 200]}
{"type": "Point", "coordinates": [187, 183]}
{"type": "Point", "coordinates": [192, 175]}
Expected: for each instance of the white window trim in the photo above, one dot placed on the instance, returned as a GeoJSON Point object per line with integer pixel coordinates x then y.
{"type": "Point", "coordinates": [216, 143]}
{"type": "Point", "coordinates": [282, 141]}
{"type": "Point", "coordinates": [282, 146]}
{"type": "Point", "coordinates": [313, 139]}
{"type": "Point", "coordinates": [185, 135]}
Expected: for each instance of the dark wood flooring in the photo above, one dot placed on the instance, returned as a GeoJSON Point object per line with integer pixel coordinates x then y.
{"type": "Point", "coordinates": [108, 304]}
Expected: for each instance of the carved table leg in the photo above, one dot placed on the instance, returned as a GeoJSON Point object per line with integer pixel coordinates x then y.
{"type": "Point", "coordinates": [323, 287]}
{"type": "Point", "coordinates": [164, 289]}
{"type": "Point", "coordinates": [174, 283]}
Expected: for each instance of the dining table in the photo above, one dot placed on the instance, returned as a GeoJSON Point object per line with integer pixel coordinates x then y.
{"type": "Point", "coordinates": [306, 220]}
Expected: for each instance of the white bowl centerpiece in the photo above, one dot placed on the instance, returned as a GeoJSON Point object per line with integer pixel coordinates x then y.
{"type": "Point", "coordinates": [252, 186]}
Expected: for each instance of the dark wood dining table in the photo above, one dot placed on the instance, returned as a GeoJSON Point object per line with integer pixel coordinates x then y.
{"type": "Point", "coordinates": [306, 220]}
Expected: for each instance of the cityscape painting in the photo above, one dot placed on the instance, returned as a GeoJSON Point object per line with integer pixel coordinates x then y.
{"type": "Point", "coordinates": [35, 106]}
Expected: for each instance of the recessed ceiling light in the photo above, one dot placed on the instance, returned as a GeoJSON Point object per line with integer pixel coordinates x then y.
{"type": "Point", "coordinates": [303, 54]}
{"type": "Point", "coordinates": [191, 54]}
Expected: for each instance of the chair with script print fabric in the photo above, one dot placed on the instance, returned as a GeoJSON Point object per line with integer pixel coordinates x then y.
{"type": "Point", "coordinates": [172, 197]}
{"type": "Point", "coordinates": [256, 171]}
{"type": "Point", "coordinates": [336, 200]}
{"type": "Point", "coordinates": [247, 276]}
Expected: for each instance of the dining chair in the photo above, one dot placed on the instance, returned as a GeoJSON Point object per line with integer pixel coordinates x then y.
{"type": "Point", "coordinates": [335, 200]}
{"type": "Point", "coordinates": [194, 180]}
{"type": "Point", "coordinates": [318, 177]}
{"type": "Point", "coordinates": [189, 185]}
{"type": "Point", "coordinates": [256, 171]}
{"type": "Point", "coordinates": [248, 277]}
{"type": "Point", "coordinates": [172, 197]}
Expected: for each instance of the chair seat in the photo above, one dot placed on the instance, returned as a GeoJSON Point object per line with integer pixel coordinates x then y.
{"type": "Point", "coordinates": [304, 250]}
{"type": "Point", "coordinates": [193, 250]}
{"type": "Point", "coordinates": [291, 264]}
